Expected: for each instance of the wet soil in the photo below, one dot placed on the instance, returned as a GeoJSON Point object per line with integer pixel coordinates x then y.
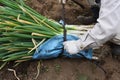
{"type": "Point", "coordinates": [62, 68]}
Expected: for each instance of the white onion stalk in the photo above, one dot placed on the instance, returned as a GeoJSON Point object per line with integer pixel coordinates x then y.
{"type": "Point", "coordinates": [78, 30]}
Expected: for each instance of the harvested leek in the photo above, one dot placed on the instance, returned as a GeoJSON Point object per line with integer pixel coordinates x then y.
{"type": "Point", "coordinates": [22, 30]}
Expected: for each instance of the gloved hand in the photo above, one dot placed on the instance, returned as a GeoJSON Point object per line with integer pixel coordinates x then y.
{"type": "Point", "coordinates": [73, 47]}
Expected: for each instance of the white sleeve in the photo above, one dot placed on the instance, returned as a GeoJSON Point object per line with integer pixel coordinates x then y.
{"type": "Point", "coordinates": [106, 27]}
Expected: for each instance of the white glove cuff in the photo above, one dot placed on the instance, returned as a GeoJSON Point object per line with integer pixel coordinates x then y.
{"type": "Point", "coordinates": [88, 42]}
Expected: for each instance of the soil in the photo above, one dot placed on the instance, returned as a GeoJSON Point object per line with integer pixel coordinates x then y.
{"type": "Point", "coordinates": [64, 68]}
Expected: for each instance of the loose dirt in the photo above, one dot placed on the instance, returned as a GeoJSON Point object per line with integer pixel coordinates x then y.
{"type": "Point", "coordinates": [62, 68]}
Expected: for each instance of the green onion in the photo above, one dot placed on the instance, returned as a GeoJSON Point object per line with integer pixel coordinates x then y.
{"type": "Point", "coordinates": [22, 30]}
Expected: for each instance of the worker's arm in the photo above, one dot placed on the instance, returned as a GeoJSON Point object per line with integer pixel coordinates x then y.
{"type": "Point", "coordinates": [103, 31]}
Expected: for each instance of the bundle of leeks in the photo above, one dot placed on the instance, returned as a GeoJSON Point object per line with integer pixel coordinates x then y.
{"type": "Point", "coordinates": [22, 30]}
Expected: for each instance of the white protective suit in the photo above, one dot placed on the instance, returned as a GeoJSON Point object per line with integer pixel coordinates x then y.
{"type": "Point", "coordinates": [108, 26]}
{"type": "Point", "coordinates": [107, 29]}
